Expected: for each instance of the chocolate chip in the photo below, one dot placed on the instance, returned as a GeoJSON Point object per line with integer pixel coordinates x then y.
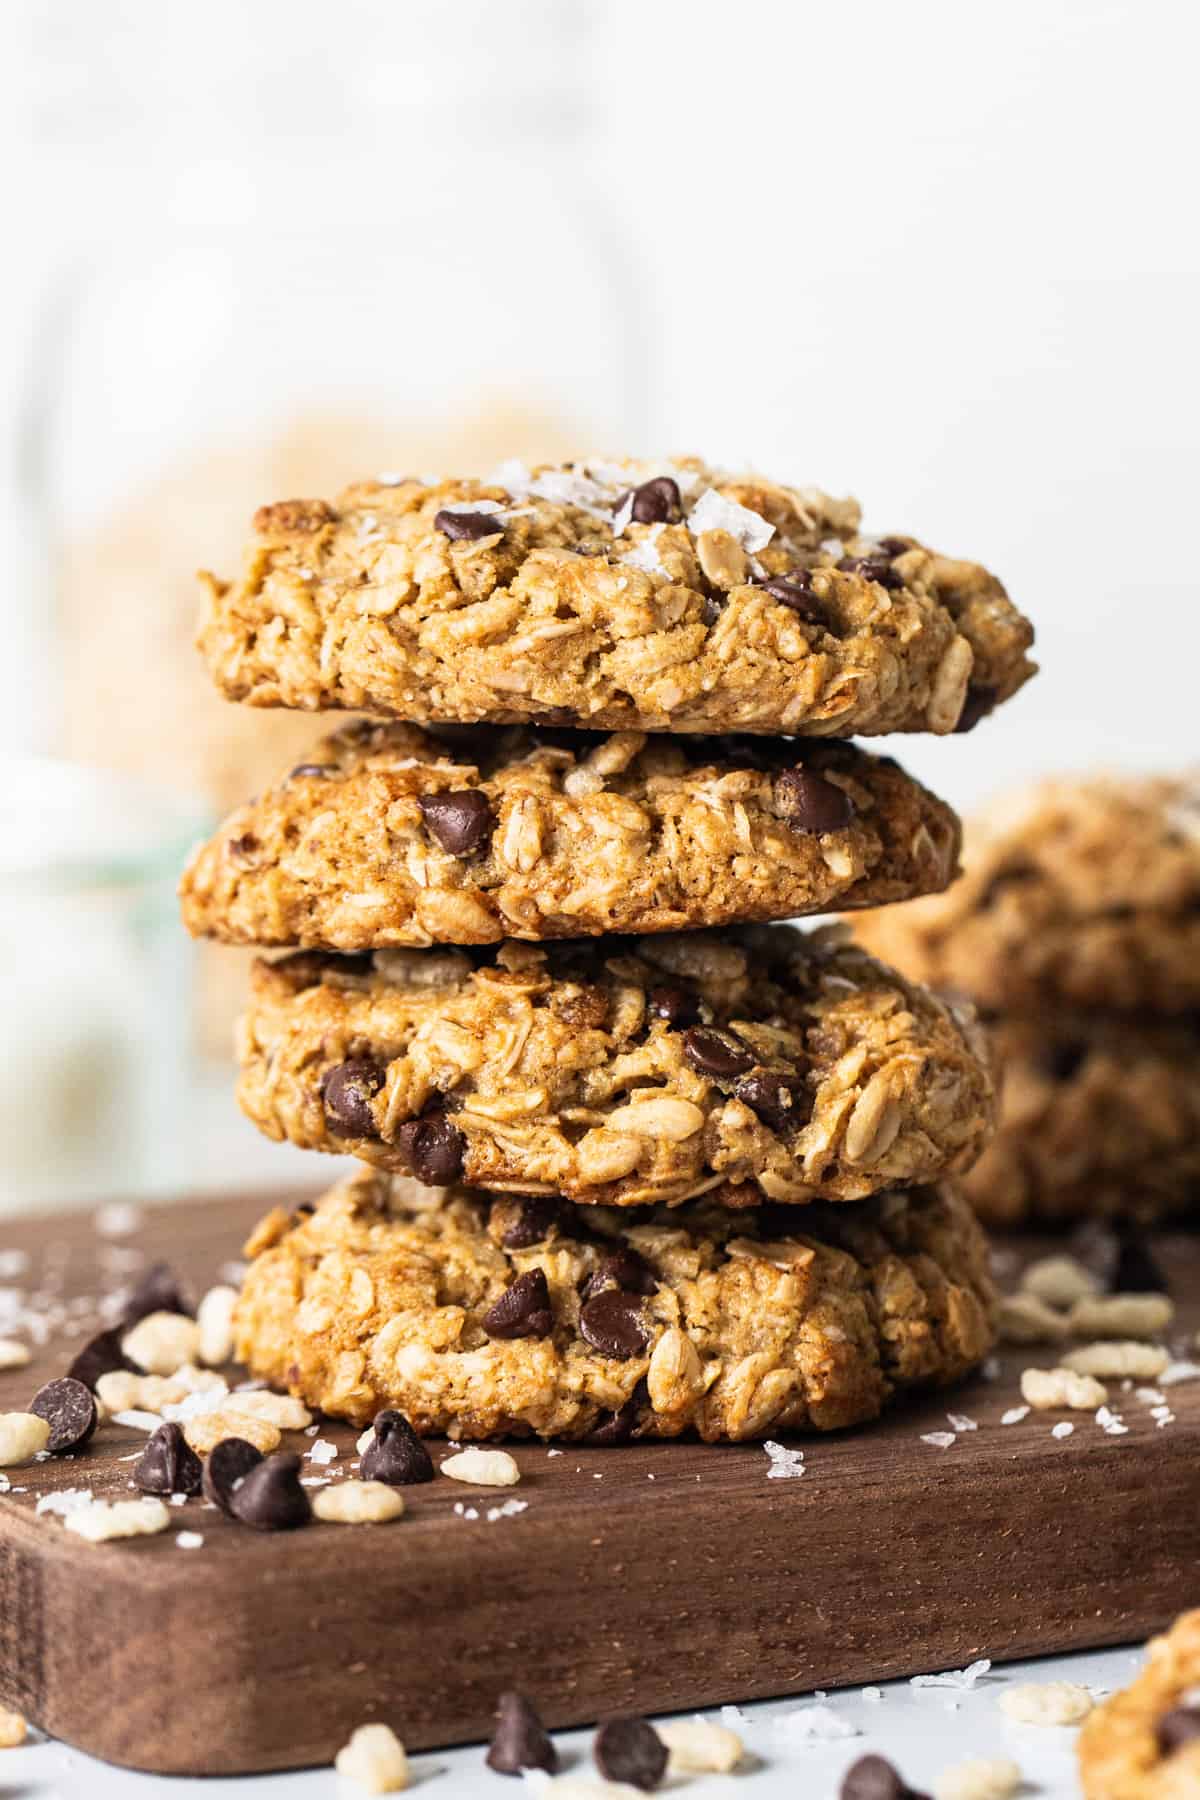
{"type": "Point", "coordinates": [523, 1309]}
{"type": "Point", "coordinates": [795, 591]}
{"type": "Point", "coordinates": [537, 1215]}
{"type": "Point", "coordinates": [673, 1005]}
{"type": "Point", "coordinates": [630, 1750]}
{"type": "Point", "coordinates": [623, 1269]}
{"type": "Point", "coordinates": [461, 820]}
{"type": "Point", "coordinates": [873, 568]}
{"type": "Point", "coordinates": [1062, 1061]}
{"type": "Point", "coordinates": [781, 1101]}
{"type": "Point", "coordinates": [808, 802]}
{"type": "Point", "coordinates": [346, 1093]}
{"type": "Point", "coordinates": [270, 1497]}
{"type": "Point", "coordinates": [68, 1406]}
{"type": "Point", "coordinates": [1178, 1727]}
{"type": "Point", "coordinates": [244, 848]}
{"type": "Point", "coordinates": [168, 1464]}
{"type": "Point", "coordinates": [519, 1740]}
{"type": "Point", "coordinates": [714, 1052]}
{"type": "Point", "coordinates": [103, 1355]}
{"type": "Point", "coordinates": [620, 1426]}
{"type": "Point", "coordinates": [396, 1454]}
{"type": "Point", "coordinates": [611, 1322]}
{"type": "Point", "coordinates": [227, 1463]}
{"type": "Point", "coordinates": [157, 1291]}
{"type": "Point", "coordinates": [978, 704]}
{"type": "Point", "coordinates": [319, 771]}
{"type": "Point", "coordinates": [1135, 1270]}
{"type": "Point", "coordinates": [656, 502]}
{"type": "Point", "coordinates": [456, 525]}
{"type": "Point", "coordinates": [894, 546]}
{"type": "Point", "coordinates": [434, 1147]}
{"type": "Point", "coordinates": [874, 1778]}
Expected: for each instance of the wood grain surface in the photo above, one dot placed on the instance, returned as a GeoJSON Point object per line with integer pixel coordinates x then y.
{"type": "Point", "coordinates": [645, 1578]}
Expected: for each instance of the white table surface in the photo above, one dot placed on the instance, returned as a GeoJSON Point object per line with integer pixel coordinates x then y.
{"type": "Point", "coordinates": [923, 1731]}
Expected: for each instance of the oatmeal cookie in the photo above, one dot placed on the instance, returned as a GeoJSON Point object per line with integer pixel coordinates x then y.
{"type": "Point", "coordinates": [389, 835]}
{"type": "Point", "coordinates": [481, 1317]}
{"type": "Point", "coordinates": [763, 1063]}
{"type": "Point", "coordinates": [624, 596]}
{"type": "Point", "coordinates": [1099, 1118]}
{"type": "Point", "coordinates": [1086, 892]}
{"type": "Point", "coordinates": [1144, 1742]}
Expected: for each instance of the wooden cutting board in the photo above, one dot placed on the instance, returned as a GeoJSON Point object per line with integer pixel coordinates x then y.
{"type": "Point", "coordinates": [646, 1578]}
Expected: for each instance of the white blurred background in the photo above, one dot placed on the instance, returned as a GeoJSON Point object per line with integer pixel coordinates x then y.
{"type": "Point", "coordinates": [941, 256]}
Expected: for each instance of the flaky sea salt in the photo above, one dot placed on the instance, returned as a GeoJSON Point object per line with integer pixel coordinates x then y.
{"type": "Point", "coordinates": [714, 512]}
{"type": "Point", "coordinates": [954, 1678]}
{"type": "Point", "coordinates": [188, 1540]}
{"type": "Point", "coordinates": [814, 1725]}
{"type": "Point", "coordinates": [1110, 1422]}
{"type": "Point", "coordinates": [785, 1464]}
{"type": "Point", "coordinates": [941, 1440]}
{"type": "Point", "coordinates": [322, 1452]}
{"type": "Point", "coordinates": [505, 1511]}
{"type": "Point", "coordinates": [1176, 1372]}
{"type": "Point", "coordinates": [1063, 1429]}
{"type": "Point", "coordinates": [1014, 1415]}
{"type": "Point", "coordinates": [960, 1422]}
{"type": "Point", "coordinates": [117, 1220]}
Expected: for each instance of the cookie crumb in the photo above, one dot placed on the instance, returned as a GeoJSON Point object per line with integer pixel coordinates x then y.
{"type": "Point", "coordinates": [1117, 1360]}
{"type": "Point", "coordinates": [1046, 1703]}
{"type": "Point", "coordinates": [1121, 1316]}
{"type": "Point", "coordinates": [482, 1468]}
{"type": "Point", "coordinates": [1050, 1389]}
{"type": "Point", "coordinates": [698, 1747]}
{"type": "Point", "coordinates": [283, 1411]}
{"type": "Point", "coordinates": [13, 1354]}
{"type": "Point", "coordinates": [13, 1729]}
{"type": "Point", "coordinates": [101, 1520]}
{"type": "Point", "coordinates": [375, 1759]}
{"type": "Point", "coordinates": [162, 1341]}
{"type": "Point", "coordinates": [206, 1431]}
{"type": "Point", "coordinates": [981, 1778]}
{"type": "Point", "coordinates": [23, 1436]}
{"type": "Point", "coordinates": [214, 1316]}
{"type": "Point", "coordinates": [1060, 1281]}
{"type": "Point", "coordinates": [358, 1503]}
{"type": "Point", "coordinates": [1024, 1319]}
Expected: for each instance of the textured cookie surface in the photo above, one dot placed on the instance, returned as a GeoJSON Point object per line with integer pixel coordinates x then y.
{"type": "Point", "coordinates": [764, 1063]}
{"type": "Point", "coordinates": [1087, 891]}
{"type": "Point", "coordinates": [667, 597]}
{"type": "Point", "coordinates": [1099, 1118]}
{"type": "Point", "coordinates": [1144, 1742]}
{"type": "Point", "coordinates": [517, 1317]}
{"type": "Point", "coordinates": [388, 835]}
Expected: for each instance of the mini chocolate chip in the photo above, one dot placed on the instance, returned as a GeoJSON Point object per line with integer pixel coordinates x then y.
{"type": "Point", "coordinates": [1135, 1270]}
{"type": "Point", "coordinates": [1178, 1727]}
{"type": "Point", "coordinates": [396, 1454]}
{"type": "Point", "coordinates": [1062, 1061]}
{"type": "Point", "coordinates": [242, 847]}
{"type": "Point", "coordinates": [630, 1750]}
{"type": "Point", "coordinates": [808, 802]}
{"type": "Point", "coordinates": [461, 821]}
{"type": "Point", "coordinates": [461, 525]}
{"type": "Point", "coordinates": [68, 1406]}
{"type": "Point", "coordinates": [893, 546]}
{"type": "Point", "coordinates": [523, 1309]}
{"type": "Point", "coordinates": [874, 1778]}
{"type": "Point", "coordinates": [978, 704]}
{"type": "Point", "coordinates": [781, 1101]}
{"type": "Point", "coordinates": [712, 1051]}
{"type": "Point", "coordinates": [434, 1147]}
{"type": "Point", "coordinates": [623, 1269]}
{"type": "Point", "coordinates": [103, 1355]}
{"type": "Point", "coordinates": [270, 1497]}
{"type": "Point", "coordinates": [620, 1426]}
{"type": "Point", "coordinates": [346, 1093]}
{"type": "Point", "coordinates": [873, 568]}
{"type": "Point", "coordinates": [536, 1217]}
{"type": "Point", "coordinates": [611, 1322]}
{"type": "Point", "coordinates": [157, 1291]}
{"type": "Point", "coordinates": [519, 1740]}
{"type": "Point", "coordinates": [168, 1464]}
{"type": "Point", "coordinates": [795, 591]}
{"type": "Point", "coordinates": [227, 1463]}
{"type": "Point", "coordinates": [319, 771]}
{"type": "Point", "coordinates": [673, 1005]}
{"type": "Point", "coordinates": [657, 502]}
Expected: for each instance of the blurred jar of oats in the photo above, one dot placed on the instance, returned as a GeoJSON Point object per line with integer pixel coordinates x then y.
{"type": "Point", "coordinates": [307, 244]}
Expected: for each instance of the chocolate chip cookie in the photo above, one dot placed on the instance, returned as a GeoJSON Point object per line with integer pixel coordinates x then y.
{"type": "Point", "coordinates": [515, 1317]}
{"type": "Point", "coordinates": [623, 596]}
{"type": "Point", "coordinates": [1143, 1743]}
{"type": "Point", "coordinates": [389, 835]}
{"type": "Point", "coordinates": [1099, 1118]}
{"type": "Point", "coordinates": [1083, 893]}
{"type": "Point", "coordinates": [757, 1064]}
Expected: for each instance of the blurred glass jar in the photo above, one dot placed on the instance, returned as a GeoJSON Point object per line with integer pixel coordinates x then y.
{"type": "Point", "coordinates": [94, 971]}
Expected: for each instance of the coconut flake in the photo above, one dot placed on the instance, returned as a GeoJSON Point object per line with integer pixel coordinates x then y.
{"type": "Point", "coordinates": [66, 1500]}
{"type": "Point", "coordinates": [623, 515]}
{"type": "Point", "coordinates": [786, 1464]}
{"type": "Point", "coordinates": [713, 512]}
{"type": "Point", "coordinates": [644, 555]}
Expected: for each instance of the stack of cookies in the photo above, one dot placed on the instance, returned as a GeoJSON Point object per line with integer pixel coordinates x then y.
{"type": "Point", "coordinates": [1076, 930]}
{"type": "Point", "coordinates": [639, 1161]}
